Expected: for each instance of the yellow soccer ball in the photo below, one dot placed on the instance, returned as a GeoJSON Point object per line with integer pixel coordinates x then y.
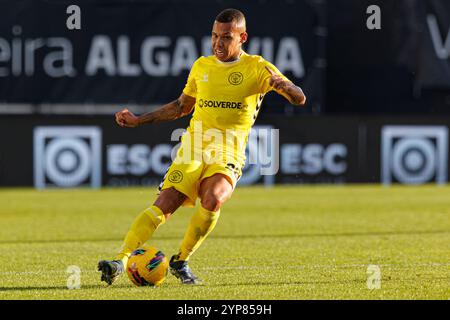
{"type": "Point", "coordinates": [147, 266]}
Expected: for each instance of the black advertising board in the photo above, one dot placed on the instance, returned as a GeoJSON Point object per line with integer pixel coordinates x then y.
{"type": "Point", "coordinates": [61, 151]}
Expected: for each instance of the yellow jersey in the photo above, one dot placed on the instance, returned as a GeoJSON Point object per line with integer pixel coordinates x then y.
{"type": "Point", "coordinates": [228, 97]}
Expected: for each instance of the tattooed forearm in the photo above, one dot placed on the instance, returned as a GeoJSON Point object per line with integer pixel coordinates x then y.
{"type": "Point", "coordinates": [294, 94]}
{"type": "Point", "coordinates": [168, 112]}
{"type": "Point", "coordinates": [179, 105]}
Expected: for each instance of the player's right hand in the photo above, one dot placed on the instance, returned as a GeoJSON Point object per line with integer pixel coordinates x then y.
{"type": "Point", "coordinates": [125, 118]}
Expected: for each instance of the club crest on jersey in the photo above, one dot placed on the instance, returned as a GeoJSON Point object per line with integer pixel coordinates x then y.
{"type": "Point", "coordinates": [205, 78]}
{"type": "Point", "coordinates": [176, 176]}
{"type": "Point", "coordinates": [235, 78]}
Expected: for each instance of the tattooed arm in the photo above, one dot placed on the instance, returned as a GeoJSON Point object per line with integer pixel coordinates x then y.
{"type": "Point", "coordinates": [287, 89]}
{"type": "Point", "coordinates": [171, 111]}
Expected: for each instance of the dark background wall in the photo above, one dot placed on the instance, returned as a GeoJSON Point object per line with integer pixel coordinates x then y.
{"type": "Point", "coordinates": [379, 71]}
{"type": "Point", "coordinates": [347, 67]}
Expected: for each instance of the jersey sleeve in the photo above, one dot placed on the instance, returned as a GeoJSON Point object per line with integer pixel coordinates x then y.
{"type": "Point", "coordinates": [264, 76]}
{"type": "Point", "coordinates": [190, 88]}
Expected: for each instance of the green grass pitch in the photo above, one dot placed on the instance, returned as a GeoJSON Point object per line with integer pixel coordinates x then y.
{"type": "Point", "coordinates": [291, 242]}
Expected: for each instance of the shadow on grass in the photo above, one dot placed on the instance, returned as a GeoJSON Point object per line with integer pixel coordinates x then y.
{"type": "Point", "coordinates": [293, 283]}
{"type": "Point", "coordinates": [243, 236]}
{"type": "Point", "coordinates": [319, 282]}
{"type": "Point", "coordinates": [48, 288]}
{"type": "Point", "coordinates": [174, 286]}
{"type": "Point", "coordinates": [177, 286]}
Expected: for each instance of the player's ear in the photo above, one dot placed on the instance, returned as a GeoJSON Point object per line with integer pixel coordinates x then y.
{"type": "Point", "coordinates": [244, 37]}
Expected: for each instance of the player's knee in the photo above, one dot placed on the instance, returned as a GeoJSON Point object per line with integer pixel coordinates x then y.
{"type": "Point", "coordinates": [169, 201]}
{"type": "Point", "coordinates": [211, 204]}
{"type": "Point", "coordinates": [165, 206]}
{"type": "Point", "coordinates": [212, 201]}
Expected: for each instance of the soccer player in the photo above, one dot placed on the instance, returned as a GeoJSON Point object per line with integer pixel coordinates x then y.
{"type": "Point", "coordinates": [224, 91]}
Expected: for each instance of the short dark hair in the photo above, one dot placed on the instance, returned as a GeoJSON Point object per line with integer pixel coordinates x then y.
{"type": "Point", "coordinates": [230, 15]}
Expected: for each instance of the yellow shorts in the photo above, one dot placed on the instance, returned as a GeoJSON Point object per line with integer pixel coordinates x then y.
{"type": "Point", "coordinates": [186, 177]}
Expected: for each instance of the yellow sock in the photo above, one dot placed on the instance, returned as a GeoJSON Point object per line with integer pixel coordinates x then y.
{"type": "Point", "coordinates": [141, 230]}
{"type": "Point", "coordinates": [202, 223]}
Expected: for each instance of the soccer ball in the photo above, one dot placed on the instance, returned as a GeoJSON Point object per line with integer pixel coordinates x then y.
{"type": "Point", "coordinates": [147, 266]}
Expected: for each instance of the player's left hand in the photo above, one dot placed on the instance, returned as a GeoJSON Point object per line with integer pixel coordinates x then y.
{"type": "Point", "coordinates": [276, 81]}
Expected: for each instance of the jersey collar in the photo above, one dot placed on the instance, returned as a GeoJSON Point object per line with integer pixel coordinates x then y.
{"type": "Point", "coordinates": [230, 62]}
